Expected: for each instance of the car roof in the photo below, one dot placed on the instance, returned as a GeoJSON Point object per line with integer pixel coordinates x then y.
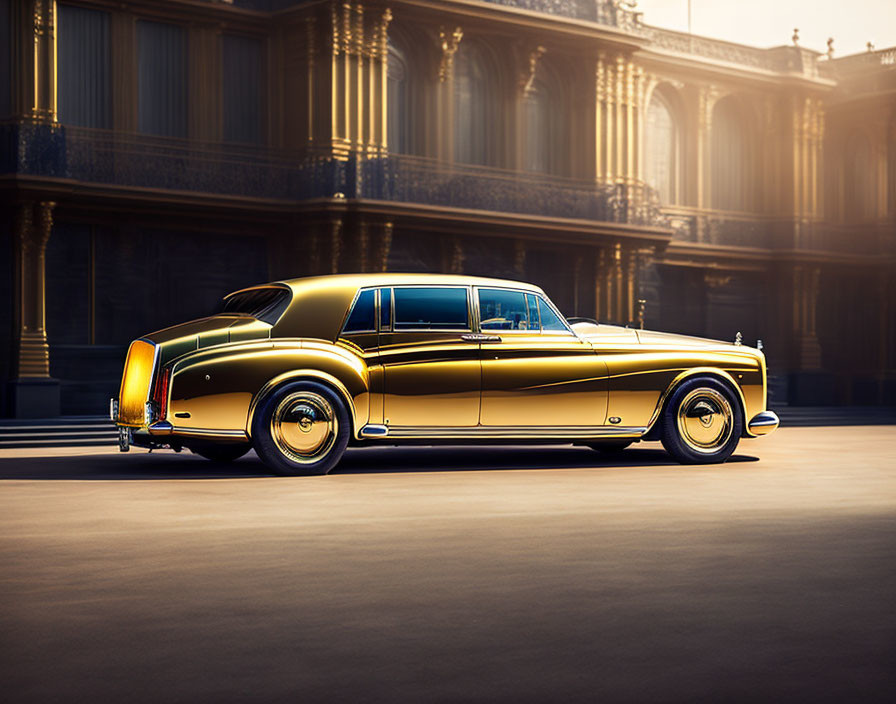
{"type": "Point", "coordinates": [319, 303]}
{"type": "Point", "coordinates": [402, 279]}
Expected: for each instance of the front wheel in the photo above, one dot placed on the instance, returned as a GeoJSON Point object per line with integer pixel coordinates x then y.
{"type": "Point", "coordinates": [702, 422]}
{"type": "Point", "coordinates": [301, 429]}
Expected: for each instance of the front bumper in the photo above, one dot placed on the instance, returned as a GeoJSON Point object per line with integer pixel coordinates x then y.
{"type": "Point", "coordinates": [763, 423]}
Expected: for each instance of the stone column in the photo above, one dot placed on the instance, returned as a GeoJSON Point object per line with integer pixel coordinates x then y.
{"type": "Point", "coordinates": [34, 393]}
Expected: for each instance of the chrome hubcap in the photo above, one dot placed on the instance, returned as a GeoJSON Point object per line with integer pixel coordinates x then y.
{"type": "Point", "coordinates": [304, 426]}
{"type": "Point", "coordinates": [705, 420]}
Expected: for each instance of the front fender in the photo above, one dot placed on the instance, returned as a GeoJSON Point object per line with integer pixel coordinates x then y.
{"type": "Point", "coordinates": [219, 389]}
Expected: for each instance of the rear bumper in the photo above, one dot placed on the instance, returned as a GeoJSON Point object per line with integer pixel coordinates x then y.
{"type": "Point", "coordinates": [763, 423]}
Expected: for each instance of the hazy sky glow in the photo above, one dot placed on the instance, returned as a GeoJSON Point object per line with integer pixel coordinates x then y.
{"type": "Point", "coordinates": [766, 23]}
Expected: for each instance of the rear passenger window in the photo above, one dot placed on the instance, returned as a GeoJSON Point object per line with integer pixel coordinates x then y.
{"type": "Point", "coordinates": [363, 315]}
{"type": "Point", "coordinates": [431, 309]}
{"type": "Point", "coordinates": [549, 319]}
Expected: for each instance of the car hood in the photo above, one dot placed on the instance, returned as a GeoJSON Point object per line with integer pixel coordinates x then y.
{"type": "Point", "coordinates": [651, 337]}
{"type": "Point", "coordinates": [617, 334]}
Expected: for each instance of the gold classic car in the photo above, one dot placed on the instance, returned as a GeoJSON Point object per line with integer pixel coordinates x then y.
{"type": "Point", "coordinates": [301, 369]}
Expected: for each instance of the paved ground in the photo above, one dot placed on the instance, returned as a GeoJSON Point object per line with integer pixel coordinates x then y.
{"type": "Point", "coordinates": [415, 575]}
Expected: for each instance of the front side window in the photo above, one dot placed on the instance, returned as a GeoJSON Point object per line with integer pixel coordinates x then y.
{"type": "Point", "coordinates": [363, 315]}
{"type": "Point", "coordinates": [504, 310]}
{"type": "Point", "coordinates": [431, 309]}
{"type": "Point", "coordinates": [550, 322]}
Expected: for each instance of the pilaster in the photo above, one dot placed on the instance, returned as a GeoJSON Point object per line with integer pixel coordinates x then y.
{"type": "Point", "coordinates": [34, 393]}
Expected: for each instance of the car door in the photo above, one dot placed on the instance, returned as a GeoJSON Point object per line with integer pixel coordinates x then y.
{"type": "Point", "coordinates": [430, 358]}
{"type": "Point", "coordinates": [535, 371]}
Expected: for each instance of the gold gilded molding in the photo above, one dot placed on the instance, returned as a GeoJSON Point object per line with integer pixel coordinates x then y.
{"type": "Point", "coordinates": [527, 76]}
{"type": "Point", "coordinates": [448, 43]}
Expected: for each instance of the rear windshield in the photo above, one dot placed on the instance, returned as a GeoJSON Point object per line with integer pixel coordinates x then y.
{"type": "Point", "coordinates": [265, 304]}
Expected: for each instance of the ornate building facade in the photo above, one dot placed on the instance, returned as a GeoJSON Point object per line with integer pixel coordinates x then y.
{"type": "Point", "coordinates": [157, 154]}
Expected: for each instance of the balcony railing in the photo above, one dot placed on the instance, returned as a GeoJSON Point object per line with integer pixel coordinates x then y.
{"type": "Point", "coordinates": [608, 12]}
{"type": "Point", "coordinates": [780, 233]}
{"type": "Point", "coordinates": [142, 161]}
{"type": "Point", "coordinates": [412, 179]}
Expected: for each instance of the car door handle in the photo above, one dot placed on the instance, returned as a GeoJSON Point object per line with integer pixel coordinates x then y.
{"type": "Point", "coordinates": [479, 337]}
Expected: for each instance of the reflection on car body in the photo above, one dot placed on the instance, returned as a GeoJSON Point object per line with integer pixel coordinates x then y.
{"type": "Point", "coordinates": [300, 369]}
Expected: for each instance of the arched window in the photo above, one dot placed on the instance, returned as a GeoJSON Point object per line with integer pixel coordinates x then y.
{"type": "Point", "coordinates": [537, 129]}
{"type": "Point", "coordinates": [662, 150]}
{"type": "Point", "coordinates": [858, 192]}
{"type": "Point", "coordinates": [397, 102]}
{"type": "Point", "coordinates": [471, 95]}
{"type": "Point", "coordinates": [732, 181]}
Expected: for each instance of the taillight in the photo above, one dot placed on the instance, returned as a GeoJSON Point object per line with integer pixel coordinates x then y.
{"type": "Point", "coordinates": [160, 393]}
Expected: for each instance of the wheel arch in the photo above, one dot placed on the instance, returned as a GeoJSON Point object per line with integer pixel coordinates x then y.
{"type": "Point", "coordinates": [315, 375]}
{"type": "Point", "coordinates": [712, 372]}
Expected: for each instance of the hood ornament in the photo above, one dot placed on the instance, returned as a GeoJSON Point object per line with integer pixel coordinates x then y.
{"type": "Point", "coordinates": [738, 339]}
{"type": "Point", "coordinates": [759, 345]}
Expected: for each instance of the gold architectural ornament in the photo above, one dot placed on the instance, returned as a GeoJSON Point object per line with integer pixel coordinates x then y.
{"type": "Point", "coordinates": [448, 43]}
{"type": "Point", "coordinates": [383, 247]}
{"type": "Point", "coordinates": [714, 279]}
{"type": "Point", "coordinates": [527, 77]}
{"type": "Point", "coordinates": [600, 77]}
{"type": "Point", "coordinates": [830, 52]}
{"type": "Point", "coordinates": [796, 36]}
{"type": "Point", "coordinates": [346, 29]}
{"type": "Point", "coordinates": [358, 45]}
{"type": "Point", "coordinates": [43, 98]}
{"type": "Point", "coordinates": [379, 42]}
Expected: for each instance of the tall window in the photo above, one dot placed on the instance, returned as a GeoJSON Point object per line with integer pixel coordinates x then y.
{"type": "Point", "coordinates": [536, 116]}
{"type": "Point", "coordinates": [858, 193]}
{"type": "Point", "coordinates": [241, 89]}
{"type": "Point", "coordinates": [732, 161]}
{"type": "Point", "coordinates": [83, 65]}
{"type": "Point", "coordinates": [662, 150]}
{"type": "Point", "coordinates": [398, 107]}
{"type": "Point", "coordinates": [161, 79]}
{"type": "Point", "coordinates": [471, 95]}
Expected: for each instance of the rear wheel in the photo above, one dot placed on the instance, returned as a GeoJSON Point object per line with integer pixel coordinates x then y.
{"type": "Point", "coordinates": [301, 429]}
{"type": "Point", "coordinates": [221, 453]}
{"type": "Point", "coordinates": [702, 422]}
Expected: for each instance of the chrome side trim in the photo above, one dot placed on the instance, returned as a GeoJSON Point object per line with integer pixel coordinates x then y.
{"type": "Point", "coordinates": [374, 431]}
{"type": "Point", "coordinates": [207, 433]}
{"type": "Point", "coordinates": [763, 423]}
{"type": "Point", "coordinates": [515, 432]}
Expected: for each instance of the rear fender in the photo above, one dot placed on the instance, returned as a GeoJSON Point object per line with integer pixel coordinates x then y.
{"type": "Point", "coordinates": [220, 389]}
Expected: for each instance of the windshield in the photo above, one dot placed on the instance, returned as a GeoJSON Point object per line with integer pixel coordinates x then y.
{"type": "Point", "coordinates": [265, 304]}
